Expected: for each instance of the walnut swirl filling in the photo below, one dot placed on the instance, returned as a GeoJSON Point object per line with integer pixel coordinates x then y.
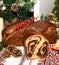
{"type": "Point", "coordinates": [36, 47]}
{"type": "Point", "coordinates": [32, 44]}
{"type": "Point", "coordinates": [42, 52]}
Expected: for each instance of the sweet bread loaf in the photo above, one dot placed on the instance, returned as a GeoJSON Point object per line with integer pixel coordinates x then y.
{"type": "Point", "coordinates": [12, 36]}
{"type": "Point", "coordinates": [45, 27]}
{"type": "Point", "coordinates": [35, 45]}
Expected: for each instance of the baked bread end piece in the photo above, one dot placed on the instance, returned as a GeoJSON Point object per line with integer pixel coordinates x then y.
{"type": "Point", "coordinates": [36, 46]}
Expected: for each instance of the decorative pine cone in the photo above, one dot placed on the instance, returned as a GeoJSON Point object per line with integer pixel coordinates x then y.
{"type": "Point", "coordinates": [14, 7]}
{"type": "Point", "coordinates": [16, 53]}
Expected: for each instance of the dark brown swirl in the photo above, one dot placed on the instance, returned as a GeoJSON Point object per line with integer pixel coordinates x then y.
{"type": "Point", "coordinates": [42, 52]}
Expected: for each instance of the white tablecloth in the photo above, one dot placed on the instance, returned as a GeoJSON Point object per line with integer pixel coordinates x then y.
{"type": "Point", "coordinates": [21, 60]}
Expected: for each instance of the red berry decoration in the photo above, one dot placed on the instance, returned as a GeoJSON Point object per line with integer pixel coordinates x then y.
{"type": "Point", "coordinates": [27, 21]}
{"type": "Point", "coordinates": [22, 24]}
{"type": "Point", "coordinates": [32, 19]}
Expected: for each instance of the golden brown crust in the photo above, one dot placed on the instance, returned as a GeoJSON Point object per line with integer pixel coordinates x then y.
{"type": "Point", "coordinates": [51, 34]}
{"type": "Point", "coordinates": [30, 32]}
{"type": "Point", "coordinates": [45, 27]}
{"type": "Point", "coordinates": [12, 36]}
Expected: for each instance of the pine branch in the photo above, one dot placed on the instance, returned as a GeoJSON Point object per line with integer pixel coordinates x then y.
{"type": "Point", "coordinates": [23, 9]}
{"type": "Point", "coordinates": [9, 1]}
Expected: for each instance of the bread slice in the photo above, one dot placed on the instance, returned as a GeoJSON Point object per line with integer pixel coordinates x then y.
{"type": "Point", "coordinates": [36, 46]}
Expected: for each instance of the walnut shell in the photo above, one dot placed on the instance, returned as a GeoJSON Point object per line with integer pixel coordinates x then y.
{"type": "Point", "coordinates": [11, 47]}
{"type": "Point", "coordinates": [16, 53]}
{"type": "Point", "coordinates": [6, 53]}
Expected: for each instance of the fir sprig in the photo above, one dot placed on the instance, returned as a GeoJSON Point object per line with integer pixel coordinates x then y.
{"type": "Point", "coordinates": [24, 6]}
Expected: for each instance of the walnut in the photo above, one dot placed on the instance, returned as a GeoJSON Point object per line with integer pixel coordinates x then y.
{"type": "Point", "coordinates": [16, 52]}
{"type": "Point", "coordinates": [11, 50]}
{"type": "Point", "coordinates": [11, 47]}
{"type": "Point", "coordinates": [6, 53]}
